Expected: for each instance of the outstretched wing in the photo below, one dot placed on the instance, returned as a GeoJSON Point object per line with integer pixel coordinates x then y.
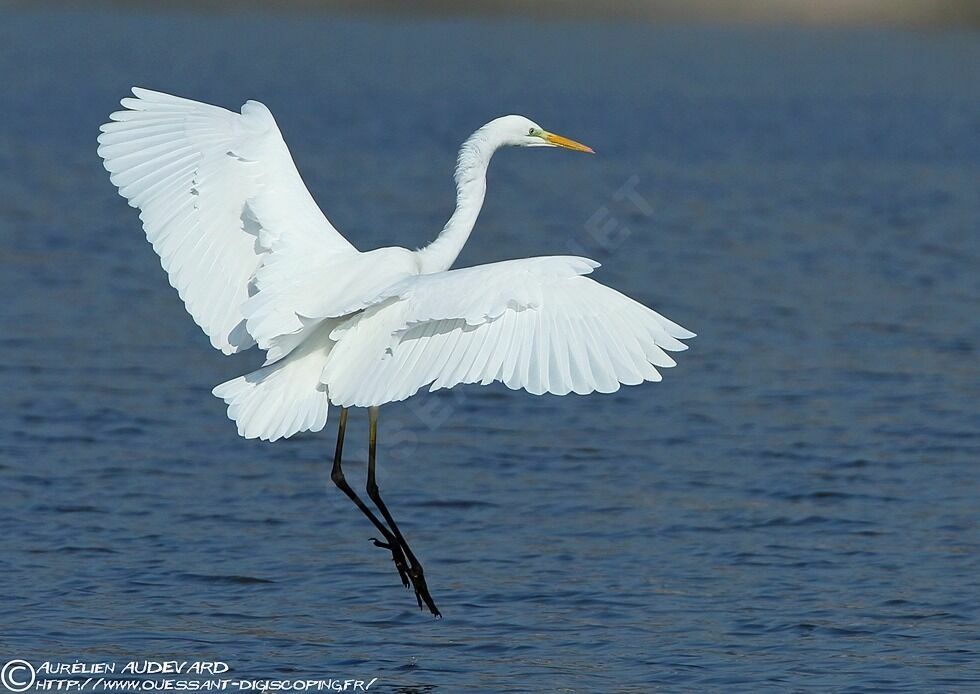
{"type": "Point", "coordinates": [216, 190]}
{"type": "Point", "coordinates": [536, 324]}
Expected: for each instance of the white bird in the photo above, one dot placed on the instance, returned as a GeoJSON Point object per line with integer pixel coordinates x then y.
{"type": "Point", "coordinates": [256, 262]}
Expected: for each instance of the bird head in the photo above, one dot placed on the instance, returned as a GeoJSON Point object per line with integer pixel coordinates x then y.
{"type": "Point", "coordinates": [519, 131]}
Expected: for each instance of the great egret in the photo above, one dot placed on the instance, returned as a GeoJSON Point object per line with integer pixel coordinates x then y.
{"type": "Point", "coordinates": [256, 262]}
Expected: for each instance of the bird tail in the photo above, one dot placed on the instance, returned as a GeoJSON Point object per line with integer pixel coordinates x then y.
{"type": "Point", "coordinates": [283, 398]}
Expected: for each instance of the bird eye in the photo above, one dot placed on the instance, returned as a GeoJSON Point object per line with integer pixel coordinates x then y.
{"type": "Point", "coordinates": [530, 131]}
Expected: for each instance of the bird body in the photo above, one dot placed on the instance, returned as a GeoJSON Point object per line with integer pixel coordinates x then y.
{"type": "Point", "coordinates": [257, 263]}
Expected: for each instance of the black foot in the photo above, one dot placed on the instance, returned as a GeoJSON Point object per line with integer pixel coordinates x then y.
{"type": "Point", "coordinates": [410, 575]}
{"type": "Point", "coordinates": [422, 590]}
{"type": "Point", "coordinates": [397, 557]}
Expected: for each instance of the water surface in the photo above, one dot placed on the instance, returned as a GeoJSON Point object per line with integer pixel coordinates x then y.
{"type": "Point", "coordinates": [793, 508]}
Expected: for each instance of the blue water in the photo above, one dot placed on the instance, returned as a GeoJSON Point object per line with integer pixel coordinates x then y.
{"type": "Point", "coordinates": [793, 508]}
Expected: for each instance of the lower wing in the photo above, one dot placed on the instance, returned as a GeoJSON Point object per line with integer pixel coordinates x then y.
{"type": "Point", "coordinates": [536, 324]}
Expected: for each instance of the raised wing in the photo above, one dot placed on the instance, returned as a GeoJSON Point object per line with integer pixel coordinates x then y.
{"type": "Point", "coordinates": [536, 324]}
{"type": "Point", "coordinates": [216, 191]}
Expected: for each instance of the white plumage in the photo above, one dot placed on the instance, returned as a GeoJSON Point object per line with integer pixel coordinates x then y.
{"type": "Point", "coordinates": [535, 324]}
{"type": "Point", "coordinates": [216, 190]}
{"type": "Point", "coordinates": [256, 262]}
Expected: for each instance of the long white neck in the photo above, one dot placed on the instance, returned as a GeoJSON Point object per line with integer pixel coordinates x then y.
{"type": "Point", "coordinates": [471, 188]}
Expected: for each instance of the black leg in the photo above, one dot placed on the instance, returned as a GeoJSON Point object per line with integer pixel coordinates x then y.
{"type": "Point", "coordinates": [337, 475]}
{"type": "Point", "coordinates": [415, 571]}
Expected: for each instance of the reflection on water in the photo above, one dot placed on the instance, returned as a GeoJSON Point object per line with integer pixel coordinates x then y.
{"type": "Point", "coordinates": [795, 505]}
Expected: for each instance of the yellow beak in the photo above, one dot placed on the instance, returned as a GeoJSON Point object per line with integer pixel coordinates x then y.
{"type": "Point", "coordinates": [560, 141]}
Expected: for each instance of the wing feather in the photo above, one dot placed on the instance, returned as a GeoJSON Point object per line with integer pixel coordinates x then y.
{"type": "Point", "coordinates": [197, 173]}
{"type": "Point", "coordinates": [536, 324]}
